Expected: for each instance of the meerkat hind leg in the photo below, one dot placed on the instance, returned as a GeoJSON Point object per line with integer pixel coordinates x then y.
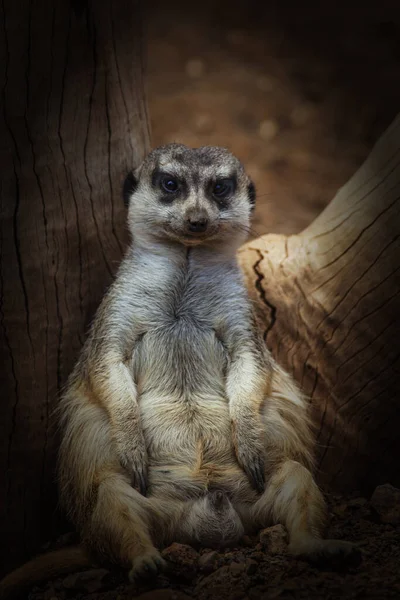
{"type": "Point", "coordinates": [293, 498]}
{"type": "Point", "coordinates": [122, 515]}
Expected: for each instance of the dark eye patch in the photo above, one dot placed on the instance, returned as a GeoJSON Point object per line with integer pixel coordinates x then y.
{"type": "Point", "coordinates": [222, 189]}
{"type": "Point", "coordinates": [169, 186]}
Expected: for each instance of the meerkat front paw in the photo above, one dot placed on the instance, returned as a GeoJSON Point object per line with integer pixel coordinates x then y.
{"type": "Point", "coordinates": [250, 454]}
{"type": "Point", "coordinates": [253, 464]}
{"type": "Point", "coordinates": [150, 563]}
{"type": "Point", "coordinates": [133, 458]}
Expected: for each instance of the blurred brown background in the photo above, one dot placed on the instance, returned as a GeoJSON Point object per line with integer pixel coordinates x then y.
{"type": "Point", "coordinates": [299, 91]}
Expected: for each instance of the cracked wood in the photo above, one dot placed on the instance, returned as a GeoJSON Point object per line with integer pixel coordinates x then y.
{"type": "Point", "coordinates": [73, 123]}
{"type": "Point", "coordinates": [335, 290]}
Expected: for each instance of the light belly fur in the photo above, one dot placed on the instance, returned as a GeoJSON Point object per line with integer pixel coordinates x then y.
{"type": "Point", "coordinates": [184, 409]}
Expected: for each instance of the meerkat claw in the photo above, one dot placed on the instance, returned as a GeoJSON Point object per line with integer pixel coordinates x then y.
{"type": "Point", "coordinates": [149, 564]}
{"type": "Point", "coordinates": [253, 464]}
{"type": "Point", "coordinates": [256, 474]}
{"type": "Point", "coordinates": [137, 471]}
{"type": "Point", "coordinates": [139, 482]}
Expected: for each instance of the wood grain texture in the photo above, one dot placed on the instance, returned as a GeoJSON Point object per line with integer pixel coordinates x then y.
{"type": "Point", "coordinates": [73, 122]}
{"type": "Point", "coordinates": [328, 300]}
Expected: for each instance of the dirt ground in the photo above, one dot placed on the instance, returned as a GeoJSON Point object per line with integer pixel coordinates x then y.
{"type": "Point", "coordinates": [300, 93]}
{"type": "Point", "coordinates": [260, 567]}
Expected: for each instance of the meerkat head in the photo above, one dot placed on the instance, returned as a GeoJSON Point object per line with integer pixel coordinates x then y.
{"type": "Point", "coordinates": [190, 196]}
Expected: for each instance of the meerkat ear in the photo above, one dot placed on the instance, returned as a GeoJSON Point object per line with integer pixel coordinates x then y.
{"type": "Point", "coordinates": [251, 191]}
{"type": "Point", "coordinates": [130, 185]}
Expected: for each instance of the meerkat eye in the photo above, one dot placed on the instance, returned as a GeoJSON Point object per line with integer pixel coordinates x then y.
{"type": "Point", "coordinates": [169, 184]}
{"type": "Point", "coordinates": [223, 188]}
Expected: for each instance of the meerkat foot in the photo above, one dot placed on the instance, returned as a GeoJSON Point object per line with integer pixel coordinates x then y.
{"type": "Point", "coordinates": [146, 565]}
{"type": "Point", "coordinates": [327, 553]}
{"type": "Point", "coordinates": [293, 499]}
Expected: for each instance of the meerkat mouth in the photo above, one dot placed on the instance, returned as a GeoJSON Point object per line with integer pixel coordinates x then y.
{"type": "Point", "coordinates": [194, 240]}
{"type": "Point", "coordinates": [190, 238]}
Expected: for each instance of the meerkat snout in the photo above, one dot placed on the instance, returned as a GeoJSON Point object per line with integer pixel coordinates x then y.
{"type": "Point", "coordinates": [197, 223]}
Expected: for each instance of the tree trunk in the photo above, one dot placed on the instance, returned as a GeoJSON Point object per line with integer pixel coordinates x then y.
{"type": "Point", "coordinates": [329, 303]}
{"type": "Point", "coordinates": [73, 122]}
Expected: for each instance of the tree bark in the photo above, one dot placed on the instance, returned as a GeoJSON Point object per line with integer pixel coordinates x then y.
{"type": "Point", "coordinates": [73, 122]}
{"type": "Point", "coordinates": [328, 302]}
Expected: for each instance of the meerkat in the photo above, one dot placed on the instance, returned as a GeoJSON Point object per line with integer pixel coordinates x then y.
{"type": "Point", "coordinates": [176, 409]}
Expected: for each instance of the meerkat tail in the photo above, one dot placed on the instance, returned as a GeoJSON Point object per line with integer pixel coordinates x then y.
{"type": "Point", "coordinates": [42, 568]}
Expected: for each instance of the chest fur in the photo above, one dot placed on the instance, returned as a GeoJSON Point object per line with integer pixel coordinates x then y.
{"type": "Point", "coordinates": [182, 351]}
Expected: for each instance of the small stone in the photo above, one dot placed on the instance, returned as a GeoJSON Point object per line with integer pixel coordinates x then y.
{"type": "Point", "coordinates": [181, 558]}
{"type": "Point", "coordinates": [195, 68]}
{"type": "Point", "coordinates": [220, 574]}
{"type": "Point", "coordinates": [237, 569]}
{"type": "Point", "coordinates": [208, 562]}
{"type": "Point", "coordinates": [229, 556]}
{"type": "Point", "coordinates": [89, 581]}
{"type": "Point", "coordinates": [221, 584]}
{"type": "Point", "coordinates": [386, 501]}
{"type": "Point", "coordinates": [274, 539]}
{"type": "Point", "coordinates": [180, 553]}
{"type": "Point", "coordinates": [268, 130]}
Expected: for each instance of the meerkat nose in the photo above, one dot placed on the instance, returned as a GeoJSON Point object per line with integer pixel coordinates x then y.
{"type": "Point", "coordinates": [197, 225]}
